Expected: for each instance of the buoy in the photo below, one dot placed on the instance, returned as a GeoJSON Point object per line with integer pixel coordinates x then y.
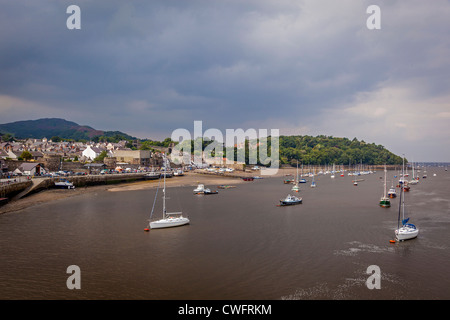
{"type": "Point", "coordinates": [392, 241]}
{"type": "Point", "coordinates": [146, 229]}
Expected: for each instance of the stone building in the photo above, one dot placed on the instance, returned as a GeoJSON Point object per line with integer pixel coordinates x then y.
{"type": "Point", "coordinates": [140, 157]}
{"type": "Point", "coordinates": [52, 162]}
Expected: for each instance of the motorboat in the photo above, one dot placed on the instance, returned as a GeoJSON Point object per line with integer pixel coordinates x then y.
{"type": "Point", "coordinates": [153, 175]}
{"type": "Point", "coordinates": [64, 184]}
{"type": "Point", "coordinates": [290, 200]}
{"type": "Point", "coordinates": [392, 193]}
{"type": "Point", "coordinates": [200, 189]}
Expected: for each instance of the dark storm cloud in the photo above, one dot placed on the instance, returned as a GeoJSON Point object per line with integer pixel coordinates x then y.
{"type": "Point", "coordinates": [148, 67]}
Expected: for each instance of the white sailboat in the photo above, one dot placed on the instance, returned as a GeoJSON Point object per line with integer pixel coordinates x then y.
{"type": "Point", "coordinates": [169, 219]}
{"type": "Point", "coordinates": [407, 230]}
{"type": "Point", "coordinates": [313, 182]}
{"type": "Point", "coordinates": [414, 180]}
{"type": "Point", "coordinates": [384, 201]}
{"type": "Point", "coordinates": [296, 188]}
{"type": "Point", "coordinates": [302, 180]}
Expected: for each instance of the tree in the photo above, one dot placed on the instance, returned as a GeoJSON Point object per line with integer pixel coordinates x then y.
{"type": "Point", "coordinates": [26, 155]}
{"type": "Point", "coordinates": [101, 156]}
{"type": "Point", "coordinates": [7, 137]}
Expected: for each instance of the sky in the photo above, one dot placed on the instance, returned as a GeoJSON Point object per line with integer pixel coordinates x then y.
{"type": "Point", "coordinates": [305, 67]}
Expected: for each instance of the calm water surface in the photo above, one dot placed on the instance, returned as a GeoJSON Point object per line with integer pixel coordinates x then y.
{"type": "Point", "coordinates": [239, 245]}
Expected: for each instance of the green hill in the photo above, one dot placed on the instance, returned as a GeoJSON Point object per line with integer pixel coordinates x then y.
{"type": "Point", "coordinates": [319, 150]}
{"type": "Point", "coordinates": [328, 150]}
{"type": "Point", "coordinates": [55, 127]}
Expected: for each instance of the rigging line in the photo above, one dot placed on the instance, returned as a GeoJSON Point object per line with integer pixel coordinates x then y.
{"type": "Point", "coordinates": [156, 194]}
{"type": "Point", "coordinates": [177, 195]}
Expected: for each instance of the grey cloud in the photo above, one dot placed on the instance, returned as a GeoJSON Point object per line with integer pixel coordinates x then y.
{"type": "Point", "coordinates": [225, 62]}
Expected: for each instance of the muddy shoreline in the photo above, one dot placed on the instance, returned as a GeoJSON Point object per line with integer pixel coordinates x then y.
{"type": "Point", "coordinates": [189, 179]}
{"type": "Point", "coordinates": [45, 196]}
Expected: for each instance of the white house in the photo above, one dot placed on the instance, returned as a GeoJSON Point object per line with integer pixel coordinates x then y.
{"type": "Point", "coordinates": [91, 152]}
{"type": "Point", "coordinates": [14, 154]}
{"type": "Point", "coordinates": [30, 169]}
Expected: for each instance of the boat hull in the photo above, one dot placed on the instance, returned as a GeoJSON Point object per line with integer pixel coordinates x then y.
{"type": "Point", "coordinates": [290, 203]}
{"type": "Point", "coordinates": [152, 176]}
{"type": "Point", "coordinates": [392, 195]}
{"type": "Point", "coordinates": [64, 186]}
{"type": "Point", "coordinates": [406, 233]}
{"type": "Point", "coordinates": [169, 223]}
{"type": "Point", "coordinates": [385, 203]}
{"type": "Point", "coordinates": [200, 189]}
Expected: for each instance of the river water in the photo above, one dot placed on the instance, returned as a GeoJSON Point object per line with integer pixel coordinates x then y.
{"type": "Point", "coordinates": [239, 244]}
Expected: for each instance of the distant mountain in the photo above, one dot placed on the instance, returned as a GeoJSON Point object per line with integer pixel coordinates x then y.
{"type": "Point", "coordinates": [55, 127]}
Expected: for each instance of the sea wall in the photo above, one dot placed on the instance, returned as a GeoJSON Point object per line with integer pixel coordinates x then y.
{"type": "Point", "coordinates": [12, 189]}
{"type": "Point", "coordinates": [23, 189]}
{"type": "Point", "coordinates": [90, 180]}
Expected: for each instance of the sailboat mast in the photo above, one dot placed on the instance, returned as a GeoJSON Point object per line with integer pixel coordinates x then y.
{"type": "Point", "coordinates": [385, 181]}
{"type": "Point", "coordinates": [403, 184]}
{"type": "Point", "coordinates": [164, 190]}
{"type": "Point", "coordinates": [399, 208]}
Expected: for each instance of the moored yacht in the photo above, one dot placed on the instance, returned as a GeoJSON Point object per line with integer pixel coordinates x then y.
{"type": "Point", "coordinates": [200, 189]}
{"type": "Point", "coordinates": [64, 184]}
{"type": "Point", "coordinates": [290, 200]}
{"type": "Point", "coordinates": [169, 219]}
{"type": "Point", "coordinates": [384, 201]}
{"type": "Point", "coordinates": [392, 193]}
{"type": "Point", "coordinates": [407, 230]}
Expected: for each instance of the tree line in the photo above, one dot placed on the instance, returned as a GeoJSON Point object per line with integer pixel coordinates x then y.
{"type": "Point", "coordinates": [322, 149]}
{"type": "Point", "coordinates": [319, 150]}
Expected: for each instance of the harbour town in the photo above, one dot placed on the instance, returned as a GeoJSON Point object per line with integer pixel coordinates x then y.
{"type": "Point", "coordinates": [186, 153]}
